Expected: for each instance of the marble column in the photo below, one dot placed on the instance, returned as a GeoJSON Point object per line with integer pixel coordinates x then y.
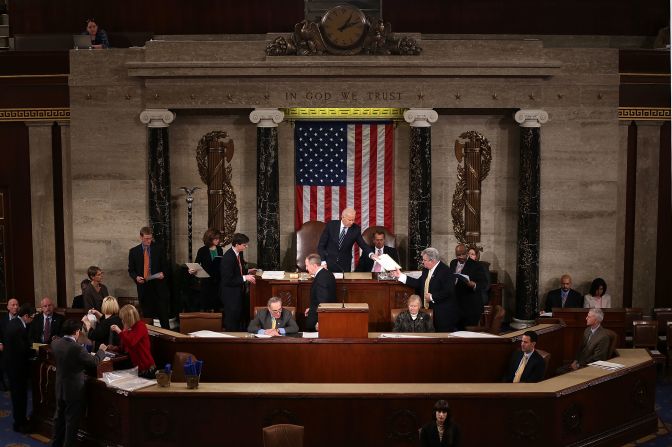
{"type": "Point", "coordinates": [527, 263]}
{"type": "Point", "coordinates": [157, 121]}
{"type": "Point", "coordinates": [268, 195]}
{"type": "Point", "coordinates": [420, 183]}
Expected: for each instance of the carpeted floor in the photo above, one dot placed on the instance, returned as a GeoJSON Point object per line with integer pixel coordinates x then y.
{"type": "Point", "coordinates": [663, 438]}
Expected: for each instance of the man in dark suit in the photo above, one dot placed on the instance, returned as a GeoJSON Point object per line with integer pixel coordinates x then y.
{"type": "Point", "coordinates": [565, 296]}
{"type": "Point", "coordinates": [71, 362]}
{"type": "Point", "coordinates": [595, 343]}
{"type": "Point", "coordinates": [45, 325]}
{"type": "Point", "coordinates": [16, 356]}
{"type": "Point", "coordinates": [12, 310]}
{"type": "Point", "coordinates": [436, 286]}
{"type": "Point", "coordinates": [274, 320]}
{"type": "Point", "coordinates": [367, 264]}
{"type": "Point", "coordinates": [148, 268]}
{"type": "Point", "coordinates": [337, 239]}
{"type": "Point", "coordinates": [323, 289]}
{"type": "Point", "coordinates": [233, 276]}
{"type": "Point", "coordinates": [526, 365]}
{"type": "Point", "coordinates": [469, 291]}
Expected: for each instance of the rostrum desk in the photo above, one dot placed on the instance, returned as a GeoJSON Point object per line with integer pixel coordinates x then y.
{"type": "Point", "coordinates": [373, 392]}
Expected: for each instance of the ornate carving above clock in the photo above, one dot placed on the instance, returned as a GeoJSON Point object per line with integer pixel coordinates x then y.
{"type": "Point", "coordinates": [342, 30]}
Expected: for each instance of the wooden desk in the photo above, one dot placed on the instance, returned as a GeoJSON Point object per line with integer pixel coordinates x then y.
{"type": "Point", "coordinates": [575, 320]}
{"type": "Point", "coordinates": [437, 358]}
{"type": "Point", "coordinates": [343, 321]}
{"type": "Point", "coordinates": [589, 407]}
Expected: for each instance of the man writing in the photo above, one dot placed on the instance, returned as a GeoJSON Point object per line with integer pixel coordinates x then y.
{"type": "Point", "coordinates": [147, 267]}
{"type": "Point", "coordinates": [337, 239]}
{"type": "Point", "coordinates": [367, 264]}
{"type": "Point", "coordinates": [526, 365]}
{"type": "Point", "coordinates": [323, 289]}
{"type": "Point", "coordinates": [72, 360]}
{"type": "Point", "coordinates": [565, 296]}
{"type": "Point", "coordinates": [274, 320]}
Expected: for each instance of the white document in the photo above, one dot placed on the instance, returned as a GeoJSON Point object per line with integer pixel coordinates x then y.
{"type": "Point", "coordinates": [607, 365]}
{"type": "Point", "coordinates": [338, 275]}
{"type": "Point", "coordinates": [388, 263]}
{"type": "Point", "coordinates": [469, 334]}
{"type": "Point", "coordinates": [311, 335]}
{"type": "Point", "coordinates": [263, 336]}
{"type": "Point", "coordinates": [273, 274]}
{"type": "Point", "coordinates": [387, 335]}
{"type": "Point", "coordinates": [200, 272]}
{"type": "Point", "coordinates": [211, 334]}
{"type": "Point", "coordinates": [414, 274]}
{"type": "Point", "coordinates": [546, 314]}
{"type": "Point", "coordinates": [153, 277]}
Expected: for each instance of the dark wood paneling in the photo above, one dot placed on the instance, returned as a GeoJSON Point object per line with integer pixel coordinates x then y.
{"type": "Point", "coordinates": [59, 229]}
{"type": "Point", "coordinates": [645, 95]}
{"type": "Point", "coordinates": [157, 16]}
{"type": "Point", "coordinates": [630, 212]}
{"type": "Point", "coordinates": [664, 234]}
{"type": "Point", "coordinates": [15, 176]}
{"type": "Point", "coordinates": [598, 17]}
{"type": "Point", "coordinates": [644, 61]}
{"type": "Point", "coordinates": [34, 63]}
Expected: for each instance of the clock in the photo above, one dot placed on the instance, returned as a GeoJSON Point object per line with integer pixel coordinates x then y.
{"type": "Point", "coordinates": [344, 26]}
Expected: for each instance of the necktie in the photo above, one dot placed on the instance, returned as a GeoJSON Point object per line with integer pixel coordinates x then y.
{"type": "Point", "coordinates": [341, 237]}
{"type": "Point", "coordinates": [47, 330]}
{"type": "Point", "coordinates": [519, 371]}
{"type": "Point", "coordinates": [376, 266]}
{"type": "Point", "coordinates": [564, 300]}
{"type": "Point", "coordinates": [273, 323]}
{"type": "Point", "coordinates": [145, 272]}
{"type": "Point", "coordinates": [429, 277]}
{"type": "Point", "coordinates": [240, 265]}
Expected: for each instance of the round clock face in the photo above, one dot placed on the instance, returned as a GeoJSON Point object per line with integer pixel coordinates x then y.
{"type": "Point", "coordinates": [344, 26]}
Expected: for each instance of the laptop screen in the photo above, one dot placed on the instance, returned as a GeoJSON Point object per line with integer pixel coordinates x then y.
{"type": "Point", "coordinates": [82, 41]}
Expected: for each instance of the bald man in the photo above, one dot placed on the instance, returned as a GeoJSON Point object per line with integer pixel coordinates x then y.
{"type": "Point", "coordinates": [565, 296]}
{"type": "Point", "coordinates": [45, 325]}
{"type": "Point", "coordinates": [338, 237]}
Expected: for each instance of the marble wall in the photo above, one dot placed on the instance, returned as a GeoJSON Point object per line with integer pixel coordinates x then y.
{"type": "Point", "coordinates": [582, 162]}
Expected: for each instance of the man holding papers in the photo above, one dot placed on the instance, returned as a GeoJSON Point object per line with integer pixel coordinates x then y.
{"type": "Point", "coordinates": [273, 321]}
{"type": "Point", "coordinates": [470, 282]}
{"type": "Point", "coordinates": [436, 286]}
{"type": "Point", "coordinates": [147, 267]}
{"type": "Point", "coordinates": [367, 264]}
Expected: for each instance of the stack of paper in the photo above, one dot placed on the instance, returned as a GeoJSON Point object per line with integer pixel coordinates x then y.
{"type": "Point", "coordinates": [607, 365]}
{"type": "Point", "coordinates": [386, 335]}
{"type": "Point", "coordinates": [273, 274]}
{"type": "Point", "coordinates": [126, 380]}
{"type": "Point", "coordinates": [468, 334]}
{"type": "Point", "coordinates": [210, 334]}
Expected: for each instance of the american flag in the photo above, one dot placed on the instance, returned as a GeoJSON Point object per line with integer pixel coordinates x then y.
{"type": "Point", "coordinates": [344, 165]}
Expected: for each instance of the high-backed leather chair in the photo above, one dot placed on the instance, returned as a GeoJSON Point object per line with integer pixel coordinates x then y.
{"type": "Point", "coordinates": [390, 239]}
{"type": "Point", "coordinates": [200, 321]}
{"type": "Point", "coordinates": [662, 316]}
{"type": "Point", "coordinates": [495, 324]}
{"type": "Point", "coordinates": [547, 360]}
{"type": "Point", "coordinates": [394, 313]}
{"type": "Point", "coordinates": [283, 435]}
{"type": "Point", "coordinates": [292, 309]}
{"type": "Point", "coordinates": [179, 359]}
{"type": "Point", "coordinates": [307, 239]}
{"type": "Point", "coordinates": [613, 342]}
{"type": "Point", "coordinates": [645, 335]}
{"type": "Point", "coordinates": [631, 314]}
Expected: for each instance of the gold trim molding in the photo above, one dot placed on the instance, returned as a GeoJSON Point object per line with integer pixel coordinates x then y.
{"type": "Point", "coordinates": [644, 113]}
{"type": "Point", "coordinates": [29, 114]}
{"type": "Point", "coordinates": [335, 113]}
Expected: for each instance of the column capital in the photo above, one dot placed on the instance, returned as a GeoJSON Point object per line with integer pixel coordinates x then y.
{"type": "Point", "coordinates": [157, 117]}
{"type": "Point", "coordinates": [531, 117]}
{"type": "Point", "coordinates": [421, 117]}
{"type": "Point", "coordinates": [267, 117]}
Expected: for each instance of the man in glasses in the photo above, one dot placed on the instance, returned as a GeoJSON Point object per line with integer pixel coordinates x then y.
{"type": "Point", "coordinates": [274, 320]}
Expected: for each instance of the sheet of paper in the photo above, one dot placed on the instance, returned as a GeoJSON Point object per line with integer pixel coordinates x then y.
{"type": "Point", "coordinates": [153, 277]}
{"type": "Point", "coordinates": [388, 263]}
{"type": "Point", "coordinates": [200, 272]}
{"type": "Point", "coordinates": [311, 335]}
{"type": "Point", "coordinates": [262, 336]}
{"type": "Point", "coordinates": [394, 335]}
{"type": "Point", "coordinates": [211, 334]}
{"type": "Point", "coordinates": [546, 314]}
{"type": "Point", "coordinates": [414, 274]}
{"type": "Point", "coordinates": [273, 274]}
{"type": "Point", "coordinates": [607, 365]}
{"type": "Point", "coordinates": [469, 334]}
{"type": "Point", "coordinates": [465, 277]}
{"type": "Point", "coordinates": [338, 275]}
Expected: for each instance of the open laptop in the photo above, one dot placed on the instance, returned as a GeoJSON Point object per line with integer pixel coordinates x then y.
{"type": "Point", "coordinates": [82, 41]}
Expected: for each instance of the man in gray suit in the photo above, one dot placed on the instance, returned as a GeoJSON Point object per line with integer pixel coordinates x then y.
{"type": "Point", "coordinates": [274, 320]}
{"type": "Point", "coordinates": [595, 344]}
{"type": "Point", "coordinates": [71, 362]}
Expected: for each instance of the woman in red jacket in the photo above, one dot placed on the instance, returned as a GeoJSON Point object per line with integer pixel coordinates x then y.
{"type": "Point", "coordinates": [135, 341]}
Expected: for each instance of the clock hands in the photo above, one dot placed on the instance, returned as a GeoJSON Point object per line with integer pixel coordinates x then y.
{"type": "Point", "coordinates": [347, 24]}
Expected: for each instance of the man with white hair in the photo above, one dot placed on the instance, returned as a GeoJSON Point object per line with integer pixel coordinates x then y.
{"type": "Point", "coordinates": [337, 239]}
{"type": "Point", "coordinates": [595, 344]}
{"type": "Point", "coordinates": [436, 286]}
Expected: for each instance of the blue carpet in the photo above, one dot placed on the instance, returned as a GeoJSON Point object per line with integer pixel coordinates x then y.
{"type": "Point", "coordinates": [8, 438]}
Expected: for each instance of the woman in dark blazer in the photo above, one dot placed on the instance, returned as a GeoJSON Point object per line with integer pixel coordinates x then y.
{"type": "Point", "coordinates": [441, 432]}
{"type": "Point", "coordinates": [100, 333]}
{"type": "Point", "coordinates": [208, 256]}
{"type": "Point", "coordinates": [413, 319]}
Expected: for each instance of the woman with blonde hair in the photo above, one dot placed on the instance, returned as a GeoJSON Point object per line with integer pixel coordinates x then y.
{"type": "Point", "coordinates": [100, 332]}
{"type": "Point", "coordinates": [135, 340]}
